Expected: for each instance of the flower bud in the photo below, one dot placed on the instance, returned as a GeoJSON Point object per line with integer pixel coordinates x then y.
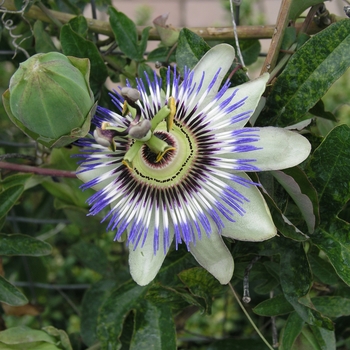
{"type": "Point", "coordinates": [50, 99]}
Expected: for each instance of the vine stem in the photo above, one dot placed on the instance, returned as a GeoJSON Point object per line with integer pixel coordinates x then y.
{"type": "Point", "coordinates": [36, 170]}
{"type": "Point", "coordinates": [249, 318]}
{"type": "Point", "coordinates": [207, 33]}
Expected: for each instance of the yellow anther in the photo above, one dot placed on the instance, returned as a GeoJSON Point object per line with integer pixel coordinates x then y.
{"type": "Point", "coordinates": [125, 109]}
{"type": "Point", "coordinates": [104, 125]}
{"type": "Point", "coordinates": [170, 117]}
{"type": "Point", "coordinates": [161, 155]}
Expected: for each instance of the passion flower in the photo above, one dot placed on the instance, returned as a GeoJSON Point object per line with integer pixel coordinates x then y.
{"type": "Point", "coordinates": [171, 166]}
{"type": "Point", "coordinates": [49, 98]}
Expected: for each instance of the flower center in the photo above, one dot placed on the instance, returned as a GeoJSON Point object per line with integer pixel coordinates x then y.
{"type": "Point", "coordinates": [174, 165]}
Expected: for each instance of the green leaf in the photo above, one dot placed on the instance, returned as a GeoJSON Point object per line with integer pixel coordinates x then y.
{"type": "Point", "coordinates": [125, 34]}
{"type": "Point", "coordinates": [250, 50]}
{"type": "Point", "coordinates": [296, 279]}
{"type": "Point", "coordinates": [93, 257]}
{"type": "Point", "coordinates": [237, 344]}
{"type": "Point", "coordinates": [18, 244]}
{"type": "Point", "coordinates": [22, 334]}
{"type": "Point", "coordinates": [9, 198]}
{"type": "Point", "coordinates": [319, 111]}
{"type": "Point", "coordinates": [161, 54]}
{"type": "Point", "coordinates": [277, 305]}
{"type": "Point", "coordinates": [114, 310]}
{"type": "Point", "coordinates": [201, 284]}
{"type": "Point", "coordinates": [154, 328]}
{"type": "Point", "coordinates": [332, 306]}
{"type": "Point", "coordinates": [26, 338]}
{"type": "Point", "coordinates": [299, 6]}
{"type": "Point", "coordinates": [190, 49]}
{"type": "Point", "coordinates": [322, 269]}
{"type": "Point", "coordinates": [93, 299]}
{"type": "Point", "coordinates": [43, 41]}
{"type": "Point", "coordinates": [329, 169]}
{"type": "Point", "coordinates": [308, 75]}
{"type": "Point", "coordinates": [75, 45]}
{"type": "Point", "coordinates": [324, 337]}
{"type": "Point", "coordinates": [79, 25]}
{"type": "Point", "coordinates": [16, 179]}
{"type": "Point", "coordinates": [282, 223]}
{"type": "Point", "coordinates": [61, 335]}
{"type": "Point", "coordinates": [291, 330]}
{"type": "Point", "coordinates": [10, 295]}
{"type": "Point", "coordinates": [302, 192]}
{"type": "Point", "coordinates": [315, 338]}
{"type": "Point", "coordinates": [334, 241]}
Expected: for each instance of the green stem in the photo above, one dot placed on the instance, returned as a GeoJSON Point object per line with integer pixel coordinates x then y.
{"type": "Point", "coordinates": [249, 318]}
{"type": "Point", "coordinates": [47, 12]}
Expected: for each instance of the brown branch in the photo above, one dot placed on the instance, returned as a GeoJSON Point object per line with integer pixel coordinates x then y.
{"type": "Point", "coordinates": [207, 33]}
{"type": "Point", "coordinates": [35, 170]}
{"type": "Point", "coordinates": [282, 22]}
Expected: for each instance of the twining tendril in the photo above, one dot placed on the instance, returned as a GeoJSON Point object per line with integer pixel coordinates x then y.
{"type": "Point", "coordinates": [8, 24]}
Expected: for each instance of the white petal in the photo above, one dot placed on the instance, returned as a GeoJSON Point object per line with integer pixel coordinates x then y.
{"type": "Point", "coordinates": [212, 253]}
{"type": "Point", "coordinates": [220, 56]}
{"type": "Point", "coordinates": [256, 224]}
{"type": "Point", "coordinates": [280, 149]}
{"type": "Point", "coordinates": [144, 264]}
{"type": "Point", "coordinates": [92, 174]}
{"type": "Point", "coordinates": [251, 92]}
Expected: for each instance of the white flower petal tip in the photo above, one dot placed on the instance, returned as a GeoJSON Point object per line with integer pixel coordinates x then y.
{"type": "Point", "coordinates": [278, 149]}
{"type": "Point", "coordinates": [212, 254]}
{"type": "Point", "coordinates": [144, 264]}
{"type": "Point", "coordinates": [256, 224]}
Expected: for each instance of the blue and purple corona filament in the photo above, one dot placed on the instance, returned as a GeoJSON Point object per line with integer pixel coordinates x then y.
{"type": "Point", "coordinates": [170, 165]}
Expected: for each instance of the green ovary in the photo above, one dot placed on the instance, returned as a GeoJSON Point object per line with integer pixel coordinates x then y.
{"type": "Point", "coordinates": [174, 166]}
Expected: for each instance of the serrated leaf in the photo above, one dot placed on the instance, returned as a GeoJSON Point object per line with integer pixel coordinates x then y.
{"type": "Point", "coordinates": [9, 198]}
{"type": "Point", "coordinates": [308, 75]}
{"type": "Point", "coordinates": [19, 244]}
{"type": "Point", "coordinates": [10, 295]}
{"type": "Point", "coordinates": [329, 169]}
{"type": "Point", "coordinates": [277, 305]}
{"type": "Point", "coordinates": [302, 192]}
{"type": "Point", "coordinates": [92, 301]}
{"type": "Point", "coordinates": [43, 41]}
{"type": "Point", "coordinates": [154, 328]}
{"type": "Point", "coordinates": [75, 45]}
{"type": "Point", "coordinates": [190, 49]}
{"type": "Point", "coordinates": [125, 33]}
{"type": "Point", "coordinates": [291, 330]}
{"type": "Point", "coordinates": [114, 310]}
